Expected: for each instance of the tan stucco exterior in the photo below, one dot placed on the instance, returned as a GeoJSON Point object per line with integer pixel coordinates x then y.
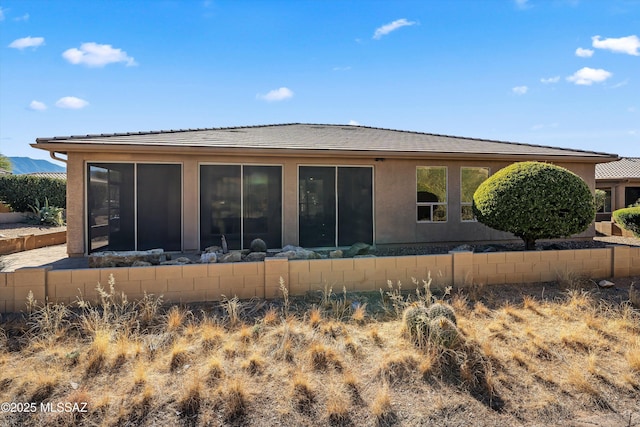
{"type": "Point", "coordinates": [394, 189]}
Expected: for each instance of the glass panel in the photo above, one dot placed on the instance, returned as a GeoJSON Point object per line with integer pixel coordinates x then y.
{"type": "Point", "coordinates": [607, 200]}
{"type": "Point", "coordinates": [467, 213]}
{"type": "Point", "coordinates": [262, 205]}
{"type": "Point", "coordinates": [424, 213]}
{"type": "Point", "coordinates": [470, 180]}
{"type": "Point", "coordinates": [159, 207]}
{"type": "Point", "coordinates": [440, 213]}
{"type": "Point", "coordinates": [110, 207]}
{"type": "Point", "coordinates": [317, 217]}
{"type": "Point", "coordinates": [631, 195]}
{"type": "Point", "coordinates": [432, 184]}
{"type": "Point", "coordinates": [355, 205]}
{"type": "Point", "coordinates": [220, 205]}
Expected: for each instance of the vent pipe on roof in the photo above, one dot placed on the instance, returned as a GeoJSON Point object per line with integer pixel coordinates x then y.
{"type": "Point", "coordinates": [53, 156]}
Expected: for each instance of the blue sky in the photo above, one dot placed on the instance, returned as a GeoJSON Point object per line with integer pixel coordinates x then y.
{"type": "Point", "coordinates": [564, 73]}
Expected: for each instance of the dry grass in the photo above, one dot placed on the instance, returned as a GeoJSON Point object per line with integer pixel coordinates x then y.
{"type": "Point", "coordinates": [523, 361]}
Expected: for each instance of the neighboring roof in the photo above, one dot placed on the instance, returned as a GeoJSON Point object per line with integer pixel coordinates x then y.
{"type": "Point", "coordinates": [4, 172]}
{"type": "Point", "coordinates": [306, 137]}
{"type": "Point", "coordinates": [627, 167]}
{"type": "Point", "coordinates": [55, 175]}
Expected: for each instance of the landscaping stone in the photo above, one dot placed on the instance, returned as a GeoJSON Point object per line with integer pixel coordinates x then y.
{"type": "Point", "coordinates": [125, 258]}
{"type": "Point", "coordinates": [141, 264]}
{"type": "Point", "coordinates": [258, 245]}
{"type": "Point", "coordinates": [606, 284]}
{"type": "Point", "coordinates": [336, 254]}
{"type": "Point", "coordinates": [255, 256]}
{"type": "Point", "coordinates": [357, 249]}
{"type": "Point", "coordinates": [297, 252]}
{"type": "Point", "coordinates": [230, 257]}
{"type": "Point", "coordinates": [208, 257]}
{"type": "Point", "coordinates": [213, 249]}
{"type": "Point", "coordinates": [184, 260]}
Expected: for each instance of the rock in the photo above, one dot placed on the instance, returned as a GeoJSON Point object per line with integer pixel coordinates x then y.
{"type": "Point", "coordinates": [230, 257]}
{"type": "Point", "coordinates": [2, 236]}
{"type": "Point", "coordinates": [365, 256]}
{"type": "Point", "coordinates": [125, 258]}
{"type": "Point", "coordinates": [606, 284]}
{"type": "Point", "coordinates": [336, 254]}
{"type": "Point", "coordinates": [462, 248]}
{"type": "Point", "coordinates": [286, 254]}
{"type": "Point", "coordinates": [490, 249]}
{"type": "Point", "coordinates": [208, 257]}
{"type": "Point", "coordinates": [357, 249]}
{"type": "Point", "coordinates": [170, 262]}
{"type": "Point", "coordinates": [213, 249]}
{"type": "Point", "coordinates": [255, 256]}
{"type": "Point", "coordinates": [297, 252]}
{"type": "Point", "coordinates": [225, 248]}
{"type": "Point", "coordinates": [183, 260]}
{"type": "Point", "coordinates": [553, 247]}
{"type": "Point", "coordinates": [140, 264]}
{"type": "Point", "coordinates": [258, 245]}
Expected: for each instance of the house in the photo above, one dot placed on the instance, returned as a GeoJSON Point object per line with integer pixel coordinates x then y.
{"type": "Point", "coordinates": [620, 180]}
{"type": "Point", "coordinates": [302, 184]}
{"type": "Point", "coordinates": [52, 175]}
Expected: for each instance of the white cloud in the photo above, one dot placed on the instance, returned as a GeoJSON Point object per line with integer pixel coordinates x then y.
{"type": "Point", "coordinates": [584, 53]}
{"type": "Point", "coordinates": [97, 55]}
{"type": "Point", "coordinates": [621, 84]}
{"type": "Point", "coordinates": [26, 42]}
{"type": "Point", "coordinates": [347, 68]}
{"type": "Point", "coordinates": [554, 79]}
{"type": "Point", "coordinates": [387, 28]}
{"type": "Point", "coordinates": [629, 45]}
{"type": "Point", "coordinates": [353, 123]}
{"type": "Point", "coordinates": [37, 106]}
{"type": "Point", "coordinates": [520, 90]}
{"type": "Point", "coordinates": [1, 14]}
{"type": "Point", "coordinates": [523, 4]}
{"type": "Point", "coordinates": [276, 95]}
{"type": "Point", "coordinates": [587, 76]}
{"type": "Point", "coordinates": [24, 18]}
{"type": "Point", "coordinates": [71, 103]}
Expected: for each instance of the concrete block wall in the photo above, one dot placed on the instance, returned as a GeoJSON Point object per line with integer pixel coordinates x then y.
{"type": "Point", "coordinates": [209, 282]}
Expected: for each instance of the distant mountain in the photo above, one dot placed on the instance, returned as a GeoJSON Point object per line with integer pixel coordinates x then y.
{"type": "Point", "coordinates": [22, 165]}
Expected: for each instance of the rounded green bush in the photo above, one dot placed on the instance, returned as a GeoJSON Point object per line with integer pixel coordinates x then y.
{"type": "Point", "coordinates": [533, 201]}
{"type": "Point", "coordinates": [442, 310]}
{"type": "Point", "coordinates": [443, 332]}
{"type": "Point", "coordinates": [628, 218]}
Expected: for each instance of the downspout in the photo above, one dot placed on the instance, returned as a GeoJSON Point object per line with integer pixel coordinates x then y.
{"type": "Point", "coordinates": [53, 156]}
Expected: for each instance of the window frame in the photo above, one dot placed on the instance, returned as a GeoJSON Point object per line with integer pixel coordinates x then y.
{"type": "Point", "coordinates": [433, 204]}
{"type": "Point", "coordinates": [462, 203]}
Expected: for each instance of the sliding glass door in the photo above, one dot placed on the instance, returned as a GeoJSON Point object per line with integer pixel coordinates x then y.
{"type": "Point", "coordinates": [335, 205]}
{"type": "Point", "coordinates": [241, 203]}
{"type": "Point", "coordinates": [134, 206]}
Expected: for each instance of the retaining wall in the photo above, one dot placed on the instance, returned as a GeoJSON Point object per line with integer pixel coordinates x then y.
{"type": "Point", "coordinates": [31, 241]}
{"type": "Point", "coordinates": [208, 282]}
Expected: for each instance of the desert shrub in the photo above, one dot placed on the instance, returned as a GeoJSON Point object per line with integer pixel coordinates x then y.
{"type": "Point", "coordinates": [47, 214]}
{"type": "Point", "coordinates": [533, 201]}
{"type": "Point", "coordinates": [20, 191]}
{"type": "Point", "coordinates": [600, 198]}
{"type": "Point", "coordinates": [442, 310]}
{"type": "Point", "coordinates": [629, 219]}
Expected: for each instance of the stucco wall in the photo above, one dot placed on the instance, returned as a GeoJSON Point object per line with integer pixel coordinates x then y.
{"type": "Point", "coordinates": [394, 196]}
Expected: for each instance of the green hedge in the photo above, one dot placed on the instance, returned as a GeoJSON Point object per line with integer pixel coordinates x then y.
{"type": "Point", "coordinates": [21, 191]}
{"type": "Point", "coordinates": [629, 219]}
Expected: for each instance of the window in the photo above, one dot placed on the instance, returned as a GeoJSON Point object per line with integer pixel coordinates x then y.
{"type": "Point", "coordinates": [470, 180]}
{"type": "Point", "coordinates": [431, 197]}
{"type": "Point", "coordinates": [606, 208]}
{"type": "Point", "coordinates": [242, 203]}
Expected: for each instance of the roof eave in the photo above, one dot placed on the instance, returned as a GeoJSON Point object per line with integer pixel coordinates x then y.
{"type": "Point", "coordinates": [65, 148]}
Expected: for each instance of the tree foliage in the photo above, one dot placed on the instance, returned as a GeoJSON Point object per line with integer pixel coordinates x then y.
{"type": "Point", "coordinates": [5, 163]}
{"type": "Point", "coordinates": [21, 191]}
{"type": "Point", "coordinates": [533, 201]}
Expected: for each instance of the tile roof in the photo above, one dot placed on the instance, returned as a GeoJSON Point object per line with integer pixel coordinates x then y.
{"type": "Point", "coordinates": [627, 167]}
{"type": "Point", "coordinates": [297, 136]}
{"type": "Point", "coordinates": [56, 175]}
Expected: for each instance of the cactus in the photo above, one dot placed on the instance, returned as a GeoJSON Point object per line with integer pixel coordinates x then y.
{"type": "Point", "coordinates": [443, 332]}
{"type": "Point", "coordinates": [442, 310]}
{"type": "Point", "coordinates": [416, 323]}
